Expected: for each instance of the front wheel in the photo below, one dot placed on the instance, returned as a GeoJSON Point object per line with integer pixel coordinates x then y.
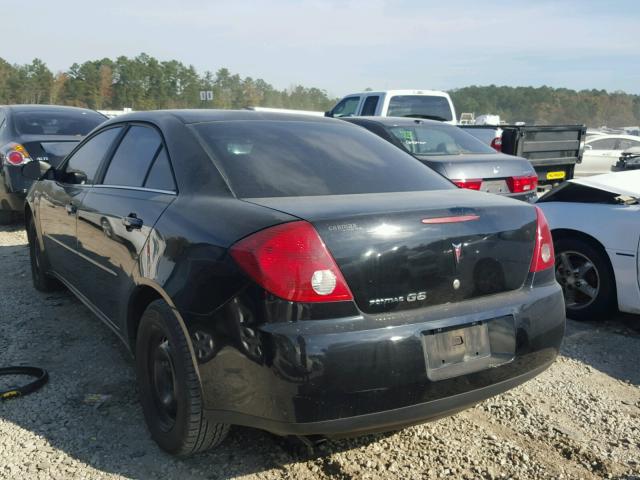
{"type": "Point", "coordinates": [586, 277]}
{"type": "Point", "coordinates": [170, 390]}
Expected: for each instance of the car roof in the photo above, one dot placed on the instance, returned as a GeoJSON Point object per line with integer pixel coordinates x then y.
{"type": "Point", "coordinates": [602, 137]}
{"type": "Point", "coordinates": [44, 108]}
{"type": "Point", "coordinates": [437, 93]}
{"type": "Point", "coordinates": [210, 115]}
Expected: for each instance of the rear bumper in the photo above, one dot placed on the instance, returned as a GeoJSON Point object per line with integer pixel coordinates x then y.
{"type": "Point", "coordinates": [13, 189]}
{"type": "Point", "coordinates": [368, 373]}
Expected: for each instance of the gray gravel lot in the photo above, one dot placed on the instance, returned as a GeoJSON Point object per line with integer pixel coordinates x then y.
{"type": "Point", "coordinates": [579, 419]}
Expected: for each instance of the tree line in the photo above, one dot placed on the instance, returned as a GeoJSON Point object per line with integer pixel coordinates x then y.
{"type": "Point", "coordinates": [546, 105]}
{"type": "Point", "coordinates": [145, 83]}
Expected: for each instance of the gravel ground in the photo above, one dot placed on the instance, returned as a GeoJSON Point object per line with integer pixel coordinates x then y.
{"type": "Point", "coordinates": [579, 419]}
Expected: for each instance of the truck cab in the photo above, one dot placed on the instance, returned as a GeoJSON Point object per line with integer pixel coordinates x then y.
{"type": "Point", "coordinates": [429, 104]}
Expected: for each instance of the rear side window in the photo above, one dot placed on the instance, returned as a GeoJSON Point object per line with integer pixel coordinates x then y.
{"type": "Point", "coordinates": [369, 107]}
{"type": "Point", "coordinates": [281, 159]}
{"type": "Point", "coordinates": [51, 122]}
{"type": "Point", "coordinates": [132, 159]}
{"type": "Point", "coordinates": [160, 176]}
{"type": "Point", "coordinates": [87, 159]}
{"type": "Point", "coordinates": [421, 106]}
{"type": "Point", "coordinates": [604, 144]}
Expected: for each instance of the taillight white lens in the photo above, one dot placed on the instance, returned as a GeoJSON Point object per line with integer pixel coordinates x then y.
{"type": "Point", "coordinates": [291, 261]}
{"type": "Point", "coordinates": [543, 255]}
{"type": "Point", "coordinates": [323, 282]}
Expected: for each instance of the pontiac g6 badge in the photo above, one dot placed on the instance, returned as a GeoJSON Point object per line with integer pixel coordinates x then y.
{"type": "Point", "coordinates": [457, 251]}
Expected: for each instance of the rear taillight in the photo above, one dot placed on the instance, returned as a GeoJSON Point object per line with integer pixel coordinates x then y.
{"type": "Point", "coordinates": [16, 154]}
{"type": "Point", "coordinates": [523, 184]}
{"type": "Point", "coordinates": [474, 184]}
{"type": "Point", "coordinates": [543, 254]}
{"type": "Point", "coordinates": [496, 144]}
{"type": "Point", "coordinates": [292, 262]}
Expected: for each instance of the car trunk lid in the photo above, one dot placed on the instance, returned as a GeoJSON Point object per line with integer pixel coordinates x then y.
{"type": "Point", "coordinates": [409, 250]}
{"type": "Point", "coordinates": [49, 148]}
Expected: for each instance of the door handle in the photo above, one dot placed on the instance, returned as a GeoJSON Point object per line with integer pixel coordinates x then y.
{"type": "Point", "coordinates": [71, 208]}
{"type": "Point", "coordinates": [132, 222]}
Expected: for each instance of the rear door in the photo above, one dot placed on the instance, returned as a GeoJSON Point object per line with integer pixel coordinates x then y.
{"type": "Point", "coordinates": [599, 156]}
{"type": "Point", "coordinates": [117, 215]}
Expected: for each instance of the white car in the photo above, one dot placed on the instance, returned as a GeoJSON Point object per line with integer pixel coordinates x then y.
{"type": "Point", "coordinates": [595, 224]}
{"type": "Point", "coordinates": [601, 152]}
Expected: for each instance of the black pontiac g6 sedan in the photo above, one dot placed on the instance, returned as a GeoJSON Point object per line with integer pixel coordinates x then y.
{"type": "Point", "coordinates": [295, 274]}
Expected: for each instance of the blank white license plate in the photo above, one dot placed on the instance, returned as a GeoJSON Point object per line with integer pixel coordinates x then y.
{"type": "Point", "coordinates": [494, 186]}
{"type": "Point", "coordinates": [453, 352]}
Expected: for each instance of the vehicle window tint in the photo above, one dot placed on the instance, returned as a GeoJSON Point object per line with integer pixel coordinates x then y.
{"type": "Point", "coordinates": [130, 163]}
{"type": "Point", "coordinates": [160, 176]}
{"type": "Point", "coordinates": [438, 139]}
{"type": "Point", "coordinates": [346, 107]}
{"type": "Point", "coordinates": [425, 106]}
{"type": "Point", "coordinates": [281, 159]}
{"type": "Point", "coordinates": [56, 122]}
{"type": "Point", "coordinates": [626, 143]}
{"type": "Point", "coordinates": [603, 144]}
{"type": "Point", "coordinates": [87, 159]}
{"type": "Point", "coordinates": [370, 105]}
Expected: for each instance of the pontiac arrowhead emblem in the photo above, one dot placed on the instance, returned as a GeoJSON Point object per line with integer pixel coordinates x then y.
{"type": "Point", "coordinates": [457, 251]}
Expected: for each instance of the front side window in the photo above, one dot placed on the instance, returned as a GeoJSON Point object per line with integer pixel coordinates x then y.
{"type": "Point", "coordinates": [291, 159]}
{"type": "Point", "coordinates": [438, 139]}
{"type": "Point", "coordinates": [83, 165]}
{"type": "Point", "coordinates": [133, 157]}
{"type": "Point", "coordinates": [346, 107]}
{"type": "Point", "coordinates": [420, 106]}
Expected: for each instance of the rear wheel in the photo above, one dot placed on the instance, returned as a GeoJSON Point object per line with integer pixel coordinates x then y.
{"type": "Point", "coordinates": [39, 263]}
{"type": "Point", "coordinates": [170, 390]}
{"type": "Point", "coordinates": [586, 278]}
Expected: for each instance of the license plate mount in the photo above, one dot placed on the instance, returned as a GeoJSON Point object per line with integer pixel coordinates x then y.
{"type": "Point", "coordinates": [459, 350]}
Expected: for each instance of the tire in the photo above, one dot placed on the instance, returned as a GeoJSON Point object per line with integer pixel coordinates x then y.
{"type": "Point", "coordinates": [39, 263]}
{"type": "Point", "coordinates": [170, 391]}
{"type": "Point", "coordinates": [590, 291]}
{"type": "Point", "coordinates": [6, 217]}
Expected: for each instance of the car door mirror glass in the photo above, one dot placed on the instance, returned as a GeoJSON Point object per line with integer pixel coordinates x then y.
{"type": "Point", "coordinates": [35, 170]}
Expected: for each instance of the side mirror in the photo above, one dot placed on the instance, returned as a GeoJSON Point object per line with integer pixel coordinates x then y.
{"type": "Point", "coordinates": [588, 147]}
{"type": "Point", "coordinates": [35, 170]}
{"type": "Point", "coordinates": [77, 178]}
{"type": "Point", "coordinates": [328, 114]}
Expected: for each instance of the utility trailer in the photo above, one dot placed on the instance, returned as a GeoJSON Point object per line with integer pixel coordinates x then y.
{"type": "Point", "coordinates": [553, 150]}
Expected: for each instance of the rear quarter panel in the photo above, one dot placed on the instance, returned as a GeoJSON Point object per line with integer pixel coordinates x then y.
{"type": "Point", "coordinates": [617, 228]}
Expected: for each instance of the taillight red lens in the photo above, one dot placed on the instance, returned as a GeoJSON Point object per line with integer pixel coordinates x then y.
{"type": "Point", "coordinates": [496, 144]}
{"type": "Point", "coordinates": [527, 183]}
{"type": "Point", "coordinates": [543, 254]}
{"type": "Point", "coordinates": [474, 184]}
{"type": "Point", "coordinates": [15, 158]}
{"type": "Point", "coordinates": [291, 261]}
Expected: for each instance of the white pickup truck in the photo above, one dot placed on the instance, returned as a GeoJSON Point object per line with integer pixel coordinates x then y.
{"type": "Point", "coordinates": [430, 104]}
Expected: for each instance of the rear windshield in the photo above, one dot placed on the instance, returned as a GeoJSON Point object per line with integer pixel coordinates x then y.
{"type": "Point", "coordinates": [426, 106]}
{"type": "Point", "coordinates": [438, 139]}
{"type": "Point", "coordinates": [287, 159]}
{"type": "Point", "coordinates": [48, 122]}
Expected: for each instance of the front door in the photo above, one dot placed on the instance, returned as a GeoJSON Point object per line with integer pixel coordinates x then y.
{"type": "Point", "coordinates": [116, 217]}
{"type": "Point", "coordinates": [60, 200]}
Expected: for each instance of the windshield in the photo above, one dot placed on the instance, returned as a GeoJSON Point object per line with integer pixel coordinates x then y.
{"type": "Point", "coordinates": [51, 122]}
{"type": "Point", "coordinates": [434, 107]}
{"type": "Point", "coordinates": [438, 139]}
{"type": "Point", "coordinates": [284, 159]}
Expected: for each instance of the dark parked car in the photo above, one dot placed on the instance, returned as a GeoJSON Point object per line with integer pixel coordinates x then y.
{"type": "Point", "coordinates": [294, 274]}
{"type": "Point", "coordinates": [457, 155]}
{"type": "Point", "coordinates": [36, 132]}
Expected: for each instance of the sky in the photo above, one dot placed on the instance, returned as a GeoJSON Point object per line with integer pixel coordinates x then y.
{"type": "Point", "coordinates": [345, 46]}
